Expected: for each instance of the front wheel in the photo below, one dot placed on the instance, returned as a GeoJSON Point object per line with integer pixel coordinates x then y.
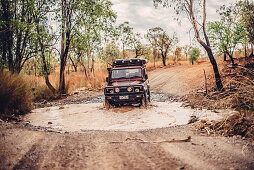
{"type": "Point", "coordinates": [107, 104]}
{"type": "Point", "coordinates": [144, 100]}
{"type": "Point", "coordinates": [149, 95]}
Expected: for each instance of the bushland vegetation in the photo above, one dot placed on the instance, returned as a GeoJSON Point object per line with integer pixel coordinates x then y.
{"type": "Point", "coordinates": [58, 46]}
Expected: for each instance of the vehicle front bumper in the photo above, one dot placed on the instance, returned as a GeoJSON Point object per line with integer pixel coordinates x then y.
{"type": "Point", "coordinates": [122, 99]}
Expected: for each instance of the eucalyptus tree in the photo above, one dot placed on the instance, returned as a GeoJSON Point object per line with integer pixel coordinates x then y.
{"type": "Point", "coordinates": [136, 44]}
{"type": "Point", "coordinates": [16, 33]}
{"type": "Point", "coordinates": [110, 52]}
{"type": "Point", "coordinates": [247, 18]}
{"type": "Point", "coordinates": [152, 37]}
{"type": "Point", "coordinates": [194, 55]}
{"type": "Point", "coordinates": [43, 38]}
{"type": "Point", "coordinates": [186, 50]}
{"type": "Point", "coordinates": [89, 19]}
{"type": "Point", "coordinates": [125, 32]}
{"type": "Point", "coordinates": [178, 53]}
{"type": "Point", "coordinates": [161, 41]}
{"type": "Point", "coordinates": [226, 37]}
{"type": "Point", "coordinates": [191, 8]}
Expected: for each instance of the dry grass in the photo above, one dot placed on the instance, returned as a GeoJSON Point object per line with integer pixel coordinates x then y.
{"type": "Point", "coordinates": [15, 96]}
{"type": "Point", "coordinates": [150, 66]}
{"type": "Point", "coordinates": [74, 80]}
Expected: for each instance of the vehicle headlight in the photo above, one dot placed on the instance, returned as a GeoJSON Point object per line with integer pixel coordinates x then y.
{"type": "Point", "coordinates": [129, 89]}
{"type": "Point", "coordinates": [111, 91]}
{"type": "Point", "coordinates": [137, 90]}
{"type": "Point", "coordinates": [117, 90]}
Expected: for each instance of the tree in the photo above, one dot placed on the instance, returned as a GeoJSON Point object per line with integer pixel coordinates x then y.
{"type": "Point", "coordinates": [190, 8]}
{"type": "Point", "coordinates": [110, 52]}
{"type": "Point", "coordinates": [225, 37]}
{"type": "Point", "coordinates": [194, 55]}
{"type": "Point", "coordinates": [160, 40]}
{"type": "Point", "coordinates": [125, 34]}
{"type": "Point", "coordinates": [41, 9]}
{"type": "Point", "coordinates": [152, 37]}
{"type": "Point", "coordinates": [178, 53]}
{"type": "Point", "coordinates": [16, 33]}
{"type": "Point", "coordinates": [186, 50]}
{"type": "Point", "coordinates": [135, 43]}
{"type": "Point", "coordinates": [247, 18]}
{"type": "Point", "coordinates": [86, 19]}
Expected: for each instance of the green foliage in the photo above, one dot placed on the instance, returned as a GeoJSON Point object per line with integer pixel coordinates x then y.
{"type": "Point", "coordinates": [161, 41]}
{"type": "Point", "coordinates": [194, 55]}
{"type": "Point", "coordinates": [225, 37]}
{"type": "Point", "coordinates": [247, 17]}
{"type": "Point", "coordinates": [15, 96]}
{"type": "Point", "coordinates": [109, 53]}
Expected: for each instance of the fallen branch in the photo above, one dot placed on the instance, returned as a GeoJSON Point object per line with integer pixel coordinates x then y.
{"type": "Point", "coordinates": [164, 141]}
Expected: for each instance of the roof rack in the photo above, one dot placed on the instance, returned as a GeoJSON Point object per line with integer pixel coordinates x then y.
{"type": "Point", "coordinates": [129, 62]}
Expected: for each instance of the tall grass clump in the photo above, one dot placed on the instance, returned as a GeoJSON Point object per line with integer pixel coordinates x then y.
{"type": "Point", "coordinates": [15, 95]}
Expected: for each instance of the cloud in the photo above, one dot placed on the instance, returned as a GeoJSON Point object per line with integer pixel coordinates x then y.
{"type": "Point", "coordinates": [142, 16]}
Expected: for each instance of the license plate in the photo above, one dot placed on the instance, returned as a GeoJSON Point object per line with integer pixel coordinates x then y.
{"type": "Point", "coordinates": [123, 97]}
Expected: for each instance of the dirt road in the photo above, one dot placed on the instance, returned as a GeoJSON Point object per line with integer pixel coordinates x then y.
{"type": "Point", "coordinates": [179, 80]}
{"type": "Point", "coordinates": [25, 146]}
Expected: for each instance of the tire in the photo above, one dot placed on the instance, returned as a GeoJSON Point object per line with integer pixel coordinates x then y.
{"type": "Point", "coordinates": [149, 95]}
{"type": "Point", "coordinates": [107, 105]}
{"type": "Point", "coordinates": [144, 100]}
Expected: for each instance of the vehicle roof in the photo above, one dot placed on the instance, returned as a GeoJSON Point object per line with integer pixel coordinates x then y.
{"type": "Point", "coordinates": [115, 68]}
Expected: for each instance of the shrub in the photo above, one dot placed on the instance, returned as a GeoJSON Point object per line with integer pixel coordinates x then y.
{"type": "Point", "coordinates": [194, 55]}
{"type": "Point", "coordinates": [15, 96]}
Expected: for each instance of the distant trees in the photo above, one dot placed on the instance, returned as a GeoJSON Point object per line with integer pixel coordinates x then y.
{"type": "Point", "coordinates": [186, 50]}
{"type": "Point", "coordinates": [178, 53]}
{"type": "Point", "coordinates": [110, 52]}
{"type": "Point", "coordinates": [125, 32]}
{"type": "Point", "coordinates": [194, 55]}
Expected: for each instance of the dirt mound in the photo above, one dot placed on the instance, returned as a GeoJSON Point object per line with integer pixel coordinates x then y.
{"type": "Point", "coordinates": [234, 124]}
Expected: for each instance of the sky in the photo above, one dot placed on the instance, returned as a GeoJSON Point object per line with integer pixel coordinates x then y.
{"type": "Point", "coordinates": [142, 16]}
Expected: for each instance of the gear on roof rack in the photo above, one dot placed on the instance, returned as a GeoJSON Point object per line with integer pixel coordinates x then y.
{"type": "Point", "coordinates": [129, 62]}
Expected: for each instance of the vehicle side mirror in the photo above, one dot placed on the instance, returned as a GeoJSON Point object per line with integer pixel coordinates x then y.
{"type": "Point", "coordinates": [106, 79]}
{"type": "Point", "coordinates": [146, 76]}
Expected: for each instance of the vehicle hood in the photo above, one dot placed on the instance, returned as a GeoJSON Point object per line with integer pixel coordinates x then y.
{"type": "Point", "coordinates": [127, 83]}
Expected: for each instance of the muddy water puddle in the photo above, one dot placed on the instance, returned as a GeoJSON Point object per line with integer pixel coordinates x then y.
{"type": "Point", "coordinates": [93, 116]}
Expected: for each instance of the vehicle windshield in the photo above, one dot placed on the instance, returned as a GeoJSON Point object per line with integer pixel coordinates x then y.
{"type": "Point", "coordinates": [126, 73]}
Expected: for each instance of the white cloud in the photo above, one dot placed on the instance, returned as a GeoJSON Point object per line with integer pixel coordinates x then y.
{"type": "Point", "coordinates": [142, 16]}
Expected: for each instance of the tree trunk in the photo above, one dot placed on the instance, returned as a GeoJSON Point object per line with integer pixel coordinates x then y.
{"type": "Point", "coordinates": [65, 42]}
{"type": "Point", "coordinates": [163, 59]}
{"type": "Point", "coordinates": [231, 58]}
{"type": "Point", "coordinates": [207, 44]}
{"type": "Point", "coordinates": [252, 52]}
{"type": "Point", "coordinates": [154, 56]}
{"type": "Point", "coordinates": [45, 68]}
{"type": "Point", "coordinates": [73, 64]}
{"type": "Point", "coordinates": [215, 69]}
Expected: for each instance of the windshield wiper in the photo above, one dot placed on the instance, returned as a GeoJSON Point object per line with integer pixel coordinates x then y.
{"type": "Point", "coordinates": [119, 78]}
{"type": "Point", "coordinates": [135, 77]}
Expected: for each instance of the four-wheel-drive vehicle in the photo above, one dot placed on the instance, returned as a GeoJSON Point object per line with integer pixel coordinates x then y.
{"type": "Point", "coordinates": [127, 83]}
